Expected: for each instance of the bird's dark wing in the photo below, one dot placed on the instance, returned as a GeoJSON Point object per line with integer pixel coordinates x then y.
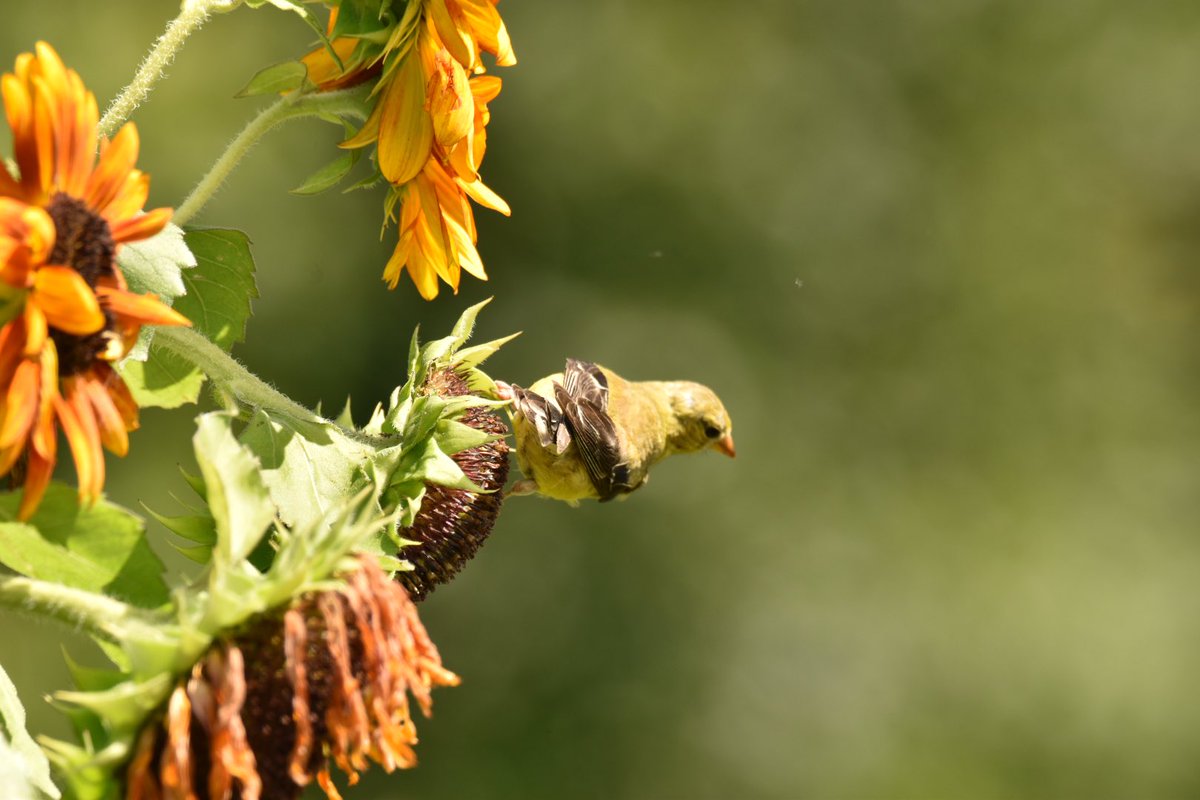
{"type": "Point", "coordinates": [546, 418]}
{"type": "Point", "coordinates": [584, 381]}
{"type": "Point", "coordinates": [595, 437]}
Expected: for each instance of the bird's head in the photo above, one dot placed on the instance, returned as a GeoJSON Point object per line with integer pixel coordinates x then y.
{"type": "Point", "coordinates": [702, 420]}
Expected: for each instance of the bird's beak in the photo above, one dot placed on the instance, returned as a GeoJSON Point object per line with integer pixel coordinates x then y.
{"type": "Point", "coordinates": [725, 445]}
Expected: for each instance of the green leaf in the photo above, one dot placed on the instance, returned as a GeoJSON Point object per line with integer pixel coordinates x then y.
{"type": "Point", "coordinates": [219, 290]}
{"type": "Point", "coordinates": [101, 547]}
{"type": "Point", "coordinates": [22, 762]}
{"type": "Point", "coordinates": [221, 287]}
{"type": "Point", "coordinates": [308, 469]}
{"type": "Point", "coordinates": [329, 175]}
{"type": "Point", "coordinates": [164, 380]}
{"type": "Point", "coordinates": [156, 264]}
{"type": "Point", "coordinates": [239, 502]}
{"type": "Point", "coordinates": [276, 79]}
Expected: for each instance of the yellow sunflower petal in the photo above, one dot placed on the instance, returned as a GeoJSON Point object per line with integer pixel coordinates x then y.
{"type": "Point", "coordinates": [485, 197]}
{"type": "Point", "coordinates": [448, 32]}
{"type": "Point", "coordinates": [368, 133]}
{"type": "Point", "coordinates": [451, 104]}
{"type": "Point", "coordinates": [483, 21]}
{"type": "Point", "coordinates": [67, 301]}
{"type": "Point", "coordinates": [400, 256]}
{"type": "Point", "coordinates": [35, 329]}
{"type": "Point", "coordinates": [405, 129]}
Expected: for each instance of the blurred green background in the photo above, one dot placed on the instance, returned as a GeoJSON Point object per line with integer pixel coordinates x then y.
{"type": "Point", "coordinates": [939, 258]}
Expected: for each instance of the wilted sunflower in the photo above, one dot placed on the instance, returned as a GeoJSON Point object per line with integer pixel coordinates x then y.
{"type": "Point", "coordinates": [67, 312]}
{"type": "Point", "coordinates": [323, 682]}
{"type": "Point", "coordinates": [429, 125]}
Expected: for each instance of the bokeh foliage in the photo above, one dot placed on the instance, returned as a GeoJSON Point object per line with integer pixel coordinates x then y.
{"type": "Point", "coordinates": [939, 260]}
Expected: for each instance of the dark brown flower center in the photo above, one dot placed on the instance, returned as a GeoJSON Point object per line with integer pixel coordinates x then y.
{"type": "Point", "coordinates": [82, 238]}
{"type": "Point", "coordinates": [453, 523]}
{"type": "Point", "coordinates": [84, 242]}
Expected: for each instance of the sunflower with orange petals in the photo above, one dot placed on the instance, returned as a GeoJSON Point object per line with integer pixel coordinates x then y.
{"type": "Point", "coordinates": [67, 312]}
{"type": "Point", "coordinates": [428, 124]}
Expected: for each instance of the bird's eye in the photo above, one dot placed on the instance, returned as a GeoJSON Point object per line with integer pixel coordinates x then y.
{"type": "Point", "coordinates": [712, 432]}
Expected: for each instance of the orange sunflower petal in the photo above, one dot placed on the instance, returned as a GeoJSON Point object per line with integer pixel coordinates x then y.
{"type": "Point", "coordinates": [117, 160]}
{"type": "Point", "coordinates": [145, 309]}
{"type": "Point", "coordinates": [37, 477]}
{"type": "Point", "coordinates": [44, 439]}
{"type": "Point", "coordinates": [119, 394]}
{"type": "Point", "coordinates": [20, 404]}
{"type": "Point", "coordinates": [67, 301]}
{"type": "Point", "coordinates": [405, 128]}
{"type": "Point", "coordinates": [79, 425]}
{"type": "Point", "coordinates": [141, 226]}
{"type": "Point", "coordinates": [130, 197]}
{"type": "Point", "coordinates": [109, 421]}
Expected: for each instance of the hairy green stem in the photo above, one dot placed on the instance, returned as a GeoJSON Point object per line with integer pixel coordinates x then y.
{"type": "Point", "coordinates": [231, 377]}
{"type": "Point", "coordinates": [292, 106]}
{"type": "Point", "coordinates": [191, 17]}
{"type": "Point", "coordinates": [249, 391]}
{"type": "Point", "coordinates": [94, 613]}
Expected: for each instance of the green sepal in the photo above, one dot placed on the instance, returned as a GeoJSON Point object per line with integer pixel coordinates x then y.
{"type": "Point", "coordinates": [329, 175]}
{"type": "Point", "coordinates": [345, 419]}
{"type": "Point", "coordinates": [287, 76]}
{"type": "Point", "coordinates": [200, 529]}
{"type": "Point", "coordinates": [237, 498]}
{"type": "Point", "coordinates": [122, 706]}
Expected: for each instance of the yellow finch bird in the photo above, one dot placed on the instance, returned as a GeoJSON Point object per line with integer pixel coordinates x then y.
{"type": "Point", "coordinates": [587, 432]}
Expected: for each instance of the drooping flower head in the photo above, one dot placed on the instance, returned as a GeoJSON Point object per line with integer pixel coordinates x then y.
{"type": "Point", "coordinates": [428, 124]}
{"type": "Point", "coordinates": [66, 310]}
{"type": "Point", "coordinates": [325, 682]}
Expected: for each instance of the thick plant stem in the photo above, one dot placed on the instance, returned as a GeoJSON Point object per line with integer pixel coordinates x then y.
{"type": "Point", "coordinates": [161, 54]}
{"type": "Point", "coordinates": [94, 613]}
{"type": "Point", "coordinates": [245, 388]}
{"type": "Point", "coordinates": [231, 377]}
{"type": "Point", "coordinates": [293, 106]}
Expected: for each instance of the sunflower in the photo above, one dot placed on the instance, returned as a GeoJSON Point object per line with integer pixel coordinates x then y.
{"type": "Point", "coordinates": [428, 124]}
{"type": "Point", "coordinates": [325, 682]}
{"type": "Point", "coordinates": [67, 311]}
